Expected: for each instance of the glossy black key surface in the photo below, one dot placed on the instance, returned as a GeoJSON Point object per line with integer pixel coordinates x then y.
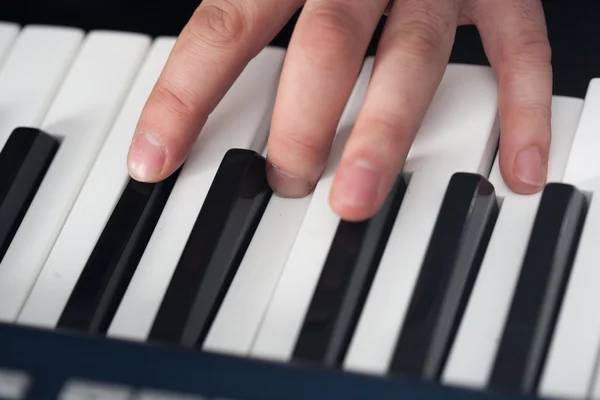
{"type": "Point", "coordinates": [24, 161]}
{"type": "Point", "coordinates": [225, 225]}
{"type": "Point", "coordinates": [12, 156]}
{"type": "Point", "coordinates": [539, 292]}
{"type": "Point", "coordinates": [345, 280]}
{"type": "Point", "coordinates": [110, 267]}
{"type": "Point", "coordinates": [451, 264]}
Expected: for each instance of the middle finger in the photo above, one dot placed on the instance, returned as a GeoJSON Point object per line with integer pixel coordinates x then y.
{"type": "Point", "coordinates": [323, 61]}
{"type": "Point", "coordinates": [411, 59]}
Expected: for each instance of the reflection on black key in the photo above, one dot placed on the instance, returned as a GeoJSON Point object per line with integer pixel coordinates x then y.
{"type": "Point", "coordinates": [540, 289]}
{"type": "Point", "coordinates": [344, 284]}
{"type": "Point", "coordinates": [24, 160]}
{"type": "Point", "coordinates": [113, 261]}
{"type": "Point", "coordinates": [229, 216]}
{"type": "Point", "coordinates": [454, 255]}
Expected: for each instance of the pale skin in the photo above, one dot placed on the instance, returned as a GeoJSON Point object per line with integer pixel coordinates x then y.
{"type": "Point", "coordinates": [322, 63]}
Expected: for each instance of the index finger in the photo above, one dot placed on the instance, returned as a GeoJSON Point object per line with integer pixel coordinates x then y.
{"type": "Point", "coordinates": [217, 43]}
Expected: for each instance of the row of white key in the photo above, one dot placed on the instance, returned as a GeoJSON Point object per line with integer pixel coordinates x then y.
{"type": "Point", "coordinates": [81, 113]}
{"type": "Point", "coordinates": [572, 367]}
{"type": "Point", "coordinates": [33, 69]}
{"type": "Point", "coordinates": [459, 133]}
{"type": "Point", "coordinates": [94, 205]}
{"type": "Point", "coordinates": [472, 356]}
{"type": "Point", "coordinates": [78, 95]}
{"type": "Point", "coordinates": [108, 176]}
{"type": "Point", "coordinates": [241, 120]}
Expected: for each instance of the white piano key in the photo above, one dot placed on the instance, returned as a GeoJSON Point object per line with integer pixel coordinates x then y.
{"type": "Point", "coordinates": [247, 299]}
{"type": "Point", "coordinates": [570, 370]}
{"type": "Point", "coordinates": [243, 308]}
{"type": "Point", "coordinates": [472, 355]}
{"type": "Point", "coordinates": [81, 114]}
{"type": "Point", "coordinates": [584, 163]}
{"type": "Point", "coordinates": [32, 73]}
{"type": "Point", "coordinates": [8, 34]}
{"type": "Point", "coordinates": [241, 120]}
{"type": "Point", "coordinates": [95, 203]}
{"type": "Point", "coordinates": [282, 322]}
{"type": "Point", "coordinates": [14, 384]}
{"type": "Point", "coordinates": [459, 134]}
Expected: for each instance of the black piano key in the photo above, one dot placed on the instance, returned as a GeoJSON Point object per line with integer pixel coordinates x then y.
{"type": "Point", "coordinates": [345, 280]}
{"type": "Point", "coordinates": [539, 292]}
{"type": "Point", "coordinates": [24, 161]}
{"type": "Point", "coordinates": [13, 154]}
{"type": "Point", "coordinates": [112, 263]}
{"type": "Point", "coordinates": [225, 225]}
{"type": "Point", "coordinates": [451, 264]}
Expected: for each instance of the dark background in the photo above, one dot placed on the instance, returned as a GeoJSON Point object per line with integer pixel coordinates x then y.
{"type": "Point", "coordinates": [573, 25]}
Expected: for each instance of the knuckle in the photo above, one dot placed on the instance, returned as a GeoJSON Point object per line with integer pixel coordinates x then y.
{"type": "Point", "coordinates": [528, 45]}
{"type": "Point", "coordinates": [333, 26]}
{"type": "Point", "coordinates": [337, 20]}
{"type": "Point", "coordinates": [302, 147]}
{"type": "Point", "coordinates": [173, 98]}
{"type": "Point", "coordinates": [390, 131]}
{"type": "Point", "coordinates": [420, 38]}
{"type": "Point", "coordinates": [219, 23]}
{"type": "Point", "coordinates": [535, 109]}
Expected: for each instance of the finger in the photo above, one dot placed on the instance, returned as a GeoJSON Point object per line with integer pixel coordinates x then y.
{"type": "Point", "coordinates": [514, 35]}
{"type": "Point", "coordinates": [214, 47]}
{"type": "Point", "coordinates": [412, 55]}
{"type": "Point", "coordinates": [323, 61]}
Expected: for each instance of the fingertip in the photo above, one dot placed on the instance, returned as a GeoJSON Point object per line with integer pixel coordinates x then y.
{"type": "Point", "coordinates": [516, 41]}
{"type": "Point", "coordinates": [527, 172]}
{"type": "Point", "coordinates": [357, 191]}
{"type": "Point", "coordinates": [286, 184]}
{"type": "Point", "coordinates": [519, 187]}
{"type": "Point", "coordinates": [530, 167]}
{"type": "Point", "coordinates": [146, 158]}
{"type": "Point", "coordinates": [351, 213]}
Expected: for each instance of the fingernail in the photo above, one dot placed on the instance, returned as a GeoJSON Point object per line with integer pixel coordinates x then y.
{"type": "Point", "coordinates": [287, 185]}
{"type": "Point", "coordinates": [359, 184]}
{"type": "Point", "coordinates": [146, 159]}
{"type": "Point", "coordinates": [529, 167]}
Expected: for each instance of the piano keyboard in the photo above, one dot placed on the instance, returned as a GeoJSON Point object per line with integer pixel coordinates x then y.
{"type": "Point", "coordinates": [457, 281]}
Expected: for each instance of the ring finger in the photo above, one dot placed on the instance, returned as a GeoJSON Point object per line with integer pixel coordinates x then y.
{"type": "Point", "coordinates": [515, 38]}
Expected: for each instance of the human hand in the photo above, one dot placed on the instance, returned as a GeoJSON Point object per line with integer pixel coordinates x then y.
{"type": "Point", "coordinates": [323, 61]}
